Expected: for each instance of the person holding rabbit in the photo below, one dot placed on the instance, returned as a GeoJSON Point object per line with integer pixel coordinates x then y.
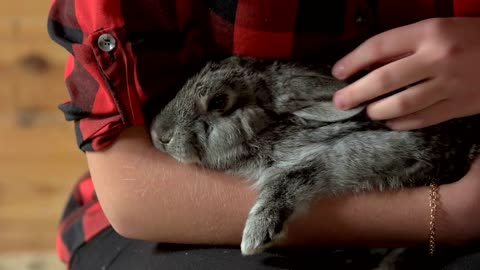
{"type": "Point", "coordinates": [128, 55]}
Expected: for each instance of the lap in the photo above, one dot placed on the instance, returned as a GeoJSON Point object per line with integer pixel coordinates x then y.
{"type": "Point", "coordinates": [110, 251]}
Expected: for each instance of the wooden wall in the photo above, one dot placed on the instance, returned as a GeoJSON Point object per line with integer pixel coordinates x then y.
{"type": "Point", "coordinates": [39, 161]}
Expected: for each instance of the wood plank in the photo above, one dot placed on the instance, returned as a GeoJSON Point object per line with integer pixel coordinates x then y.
{"type": "Point", "coordinates": [39, 159]}
{"type": "Point", "coordinates": [6, 96]}
{"type": "Point", "coordinates": [21, 8]}
{"type": "Point", "coordinates": [30, 261]}
{"type": "Point", "coordinates": [26, 35]}
{"type": "Point", "coordinates": [14, 51]}
{"type": "Point", "coordinates": [39, 166]}
{"type": "Point", "coordinates": [24, 90]}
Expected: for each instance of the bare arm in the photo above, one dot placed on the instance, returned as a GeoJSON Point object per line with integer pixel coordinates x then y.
{"type": "Point", "coordinates": [147, 195]}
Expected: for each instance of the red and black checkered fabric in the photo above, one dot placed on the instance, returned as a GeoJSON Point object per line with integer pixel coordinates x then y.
{"type": "Point", "coordinates": [158, 44]}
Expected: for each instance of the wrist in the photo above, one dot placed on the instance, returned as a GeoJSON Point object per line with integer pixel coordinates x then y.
{"type": "Point", "coordinates": [457, 215]}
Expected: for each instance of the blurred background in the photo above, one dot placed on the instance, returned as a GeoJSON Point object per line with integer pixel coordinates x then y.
{"type": "Point", "coordinates": [39, 161]}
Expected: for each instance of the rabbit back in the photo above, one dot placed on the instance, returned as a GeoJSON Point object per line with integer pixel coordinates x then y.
{"type": "Point", "coordinates": [358, 155]}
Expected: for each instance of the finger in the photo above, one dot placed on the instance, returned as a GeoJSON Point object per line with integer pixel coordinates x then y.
{"type": "Point", "coordinates": [413, 99]}
{"type": "Point", "coordinates": [393, 76]}
{"type": "Point", "coordinates": [435, 114]}
{"type": "Point", "coordinates": [385, 47]}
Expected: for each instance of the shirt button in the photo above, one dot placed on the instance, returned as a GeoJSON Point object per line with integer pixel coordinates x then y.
{"type": "Point", "coordinates": [106, 42]}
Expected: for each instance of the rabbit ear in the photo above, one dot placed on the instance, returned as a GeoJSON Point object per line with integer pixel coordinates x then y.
{"type": "Point", "coordinates": [311, 97]}
{"type": "Point", "coordinates": [327, 112]}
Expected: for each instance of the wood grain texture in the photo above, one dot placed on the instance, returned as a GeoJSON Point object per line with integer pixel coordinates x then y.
{"type": "Point", "coordinates": [30, 261]}
{"type": "Point", "coordinates": [39, 159]}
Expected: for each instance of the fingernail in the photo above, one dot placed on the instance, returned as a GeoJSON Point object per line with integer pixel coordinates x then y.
{"type": "Point", "coordinates": [339, 71]}
{"type": "Point", "coordinates": [340, 102]}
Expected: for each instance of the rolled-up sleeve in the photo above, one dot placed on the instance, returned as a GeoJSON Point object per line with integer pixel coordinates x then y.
{"type": "Point", "coordinates": [119, 60]}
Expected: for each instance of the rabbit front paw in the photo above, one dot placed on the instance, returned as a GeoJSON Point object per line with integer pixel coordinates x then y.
{"type": "Point", "coordinates": [261, 229]}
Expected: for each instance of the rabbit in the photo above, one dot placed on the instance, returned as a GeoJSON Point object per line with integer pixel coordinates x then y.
{"type": "Point", "coordinates": [273, 122]}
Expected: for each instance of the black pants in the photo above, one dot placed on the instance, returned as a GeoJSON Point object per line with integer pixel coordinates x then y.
{"type": "Point", "coordinates": [110, 251]}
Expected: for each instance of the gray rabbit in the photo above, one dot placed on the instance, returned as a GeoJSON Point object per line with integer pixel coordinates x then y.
{"type": "Point", "coordinates": [274, 122]}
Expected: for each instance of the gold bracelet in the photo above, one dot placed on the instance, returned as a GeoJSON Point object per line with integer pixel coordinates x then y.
{"type": "Point", "coordinates": [433, 212]}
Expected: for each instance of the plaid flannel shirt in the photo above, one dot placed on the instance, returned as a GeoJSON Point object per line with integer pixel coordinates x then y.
{"type": "Point", "coordinates": [124, 54]}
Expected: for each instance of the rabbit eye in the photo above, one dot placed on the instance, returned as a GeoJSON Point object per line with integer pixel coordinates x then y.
{"type": "Point", "coordinates": [218, 103]}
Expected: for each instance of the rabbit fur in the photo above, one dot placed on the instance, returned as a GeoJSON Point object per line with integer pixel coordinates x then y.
{"type": "Point", "coordinates": [274, 122]}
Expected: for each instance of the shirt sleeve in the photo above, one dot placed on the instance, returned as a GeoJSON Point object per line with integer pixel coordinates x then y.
{"type": "Point", "coordinates": [122, 55]}
{"type": "Point", "coordinates": [466, 8]}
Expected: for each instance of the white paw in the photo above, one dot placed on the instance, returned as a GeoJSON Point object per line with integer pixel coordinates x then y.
{"type": "Point", "coordinates": [259, 234]}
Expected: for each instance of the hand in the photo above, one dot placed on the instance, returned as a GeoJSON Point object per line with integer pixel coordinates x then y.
{"type": "Point", "coordinates": [438, 58]}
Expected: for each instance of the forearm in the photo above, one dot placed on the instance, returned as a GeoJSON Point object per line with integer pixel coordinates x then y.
{"type": "Point", "coordinates": [148, 195]}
